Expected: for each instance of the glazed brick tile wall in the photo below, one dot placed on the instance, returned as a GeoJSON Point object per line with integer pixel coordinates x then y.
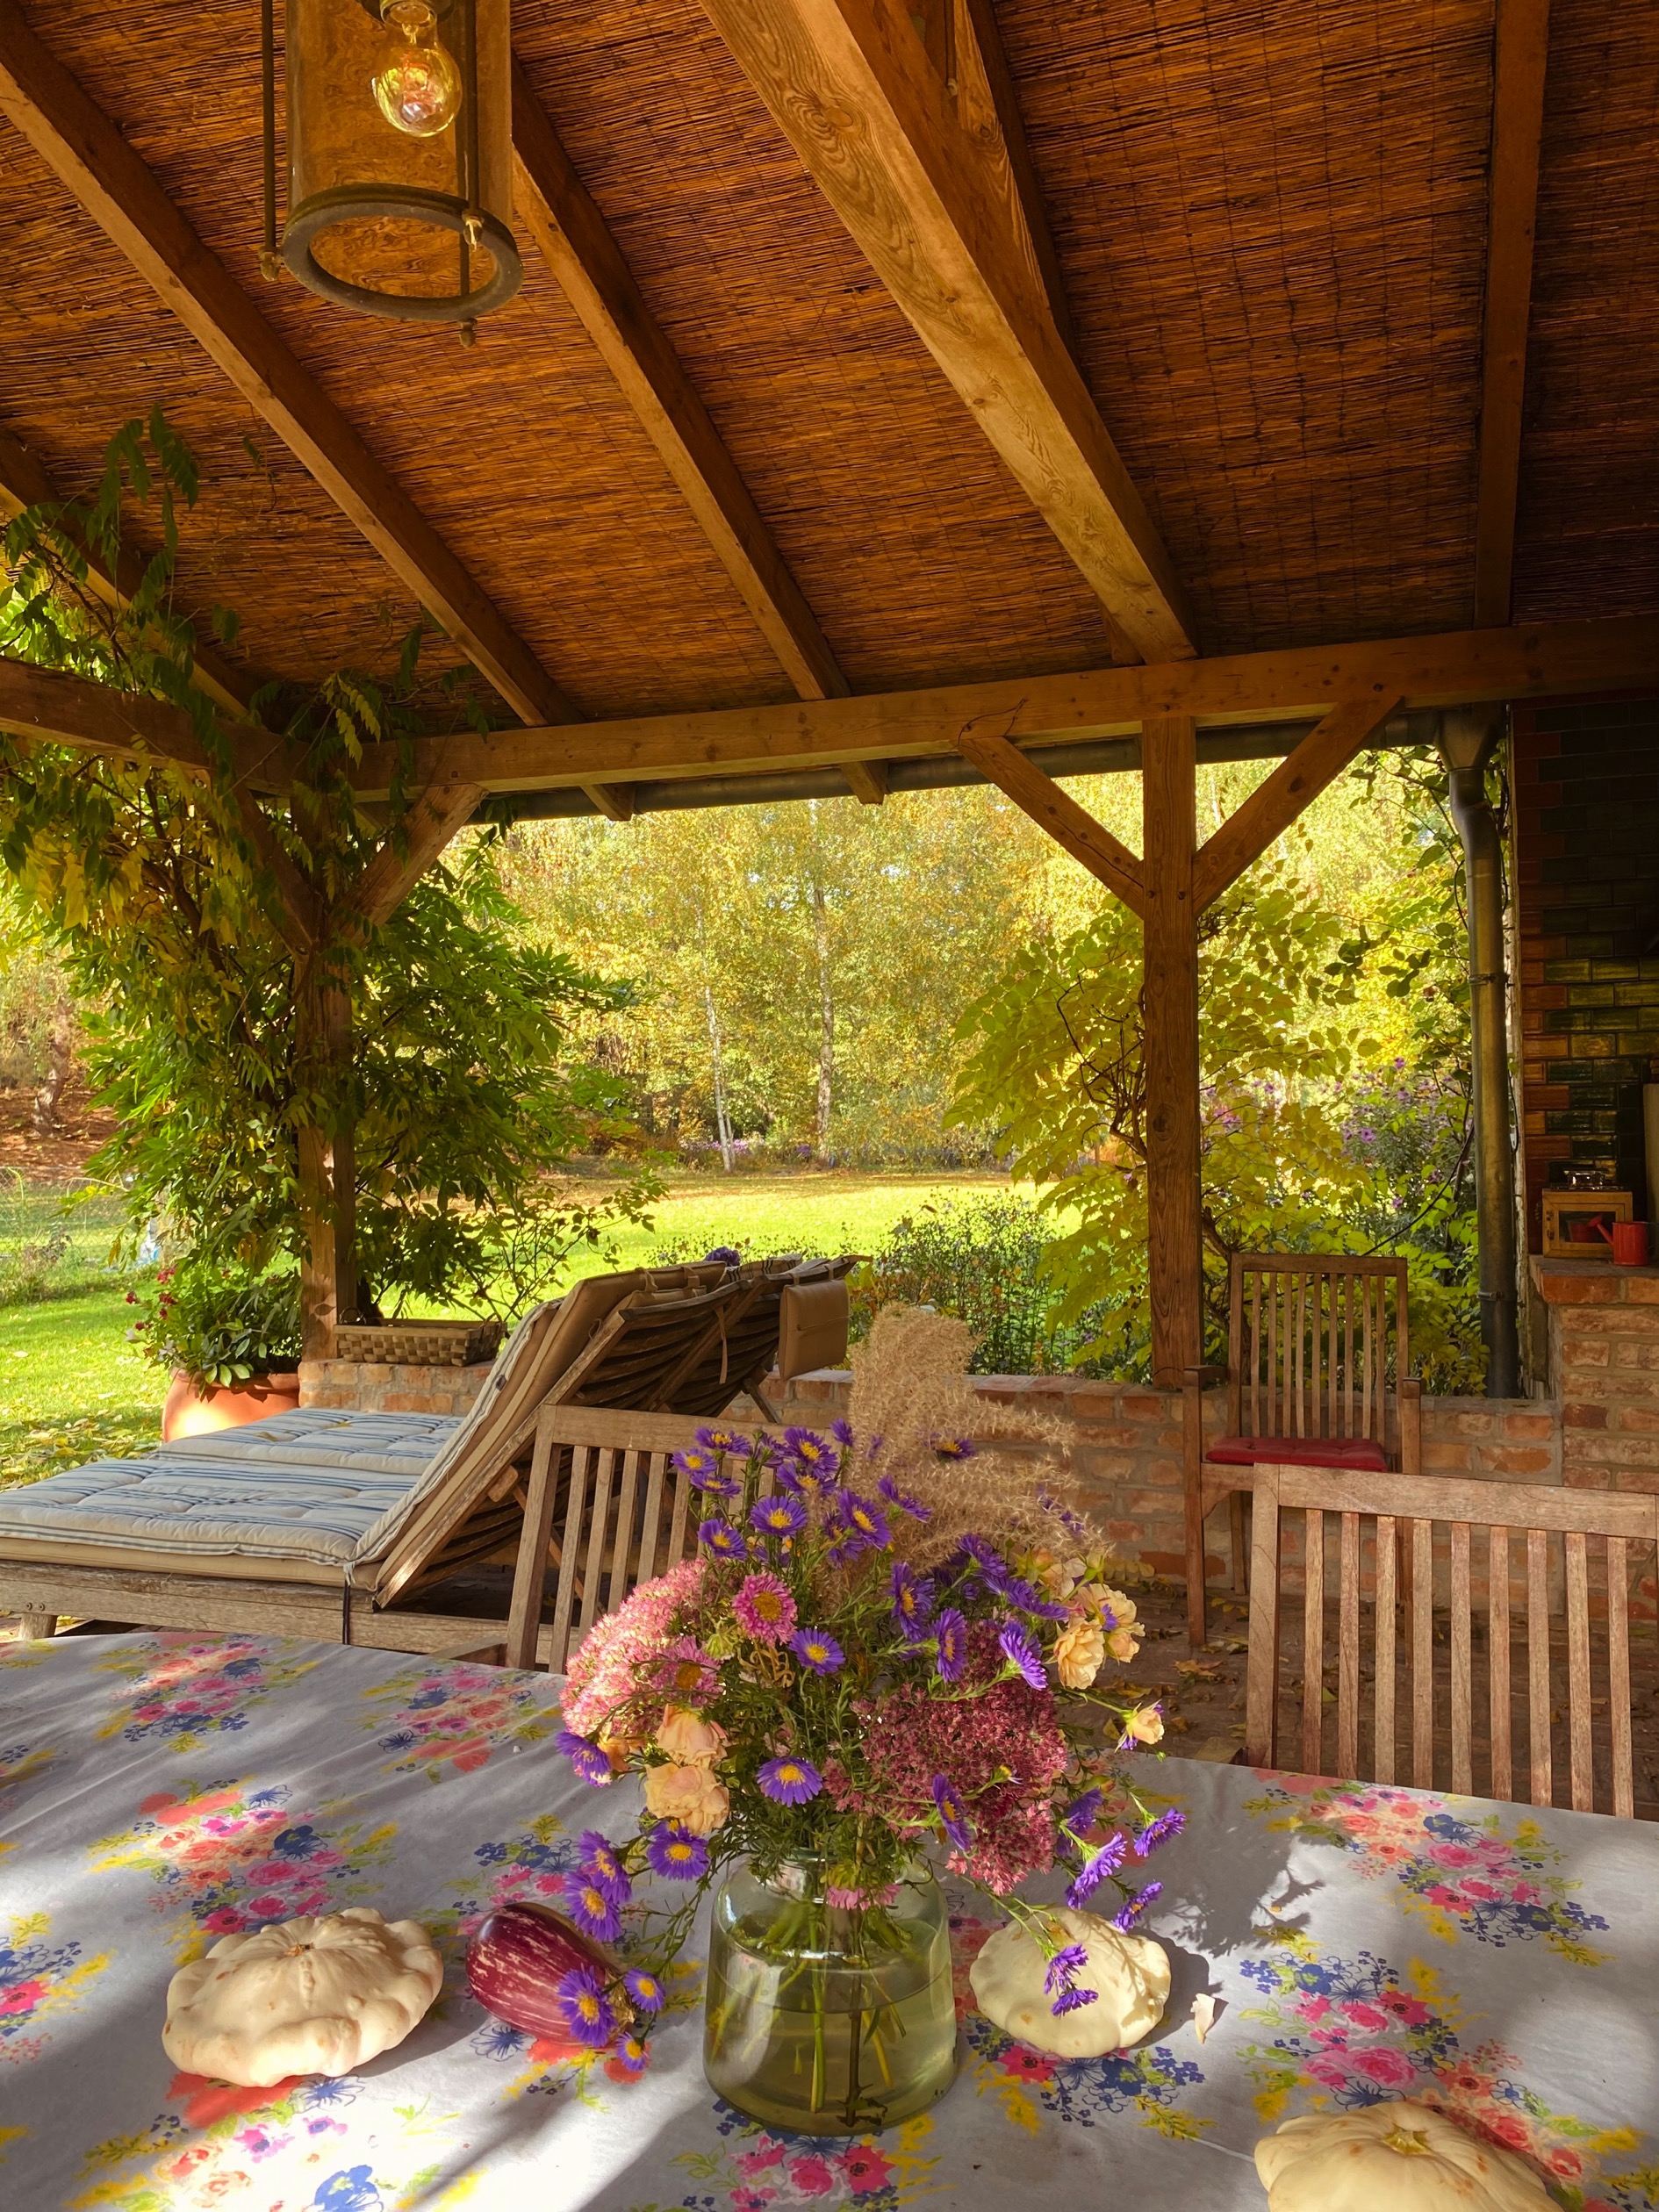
{"type": "Point", "coordinates": [1586, 791]}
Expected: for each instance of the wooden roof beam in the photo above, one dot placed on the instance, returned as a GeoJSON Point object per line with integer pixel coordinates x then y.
{"type": "Point", "coordinates": [1520, 54]}
{"type": "Point", "coordinates": [1296, 684]}
{"type": "Point", "coordinates": [25, 483]}
{"type": "Point", "coordinates": [852, 87]}
{"type": "Point", "coordinates": [84, 150]}
{"type": "Point", "coordinates": [1072, 828]}
{"type": "Point", "coordinates": [587, 262]}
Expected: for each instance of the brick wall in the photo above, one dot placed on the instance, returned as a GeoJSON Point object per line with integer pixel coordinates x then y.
{"type": "Point", "coordinates": [1604, 1356]}
{"type": "Point", "coordinates": [349, 1385]}
{"type": "Point", "coordinates": [1586, 791]}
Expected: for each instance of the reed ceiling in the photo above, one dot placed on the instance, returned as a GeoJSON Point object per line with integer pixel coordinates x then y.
{"type": "Point", "coordinates": [1271, 224]}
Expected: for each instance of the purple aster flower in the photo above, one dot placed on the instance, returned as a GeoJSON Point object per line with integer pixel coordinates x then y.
{"type": "Point", "coordinates": [1159, 1831]}
{"type": "Point", "coordinates": [674, 1852]}
{"type": "Point", "coordinates": [1080, 1815]}
{"type": "Point", "coordinates": [724, 1439]}
{"type": "Point", "coordinates": [1093, 1871]}
{"type": "Point", "coordinates": [889, 1489]}
{"type": "Point", "coordinates": [953, 1813]}
{"type": "Point", "coordinates": [1070, 2000]}
{"type": "Point", "coordinates": [953, 1447]}
{"type": "Point", "coordinates": [788, 1781]}
{"type": "Point", "coordinates": [702, 1470]}
{"type": "Point", "coordinates": [809, 1451]}
{"type": "Point", "coordinates": [598, 1862]}
{"type": "Point", "coordinates": [721, 1538]}
{"type": "Point", "coordinates": [645, 1990]}
{"type": "Point", "coordinates": [782, 1516]}
{"type": "Point", "coordinates": [912, 1599]}
{"type": "Point", "coordinates": [594, 1910]}
{"type": "Point", "coordinates": [631, 2055]}
{"type": "Point", "coordinates": [842, 1431]}
{"type": "Point", "coordinates": [1016, 1591]}
{"type": "Point", "coordinates": [587, 2010]}
{"type": "Point", "coordinates": [950, 1634]}
{"type": "Point", "coordinates": [1018, 1649]}
{"type": "Point", "coordinates": [1063, 1969]}
{"type": "Point", "coordinates": [822, 1653]}
{"type": "Point", "coordinates": [1125, 1919]}
{"type": "Point", "coordinates": [585, 1755]}
{"type": "Point", "coordinates": [869, 1521]}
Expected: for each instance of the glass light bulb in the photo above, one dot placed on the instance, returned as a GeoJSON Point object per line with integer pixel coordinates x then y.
{"type": "Point", "coordinates": [418, 90]}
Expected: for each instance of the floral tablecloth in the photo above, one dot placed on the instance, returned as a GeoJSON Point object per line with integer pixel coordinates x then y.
{"type": "Point", "coordinates": [156, 1790]}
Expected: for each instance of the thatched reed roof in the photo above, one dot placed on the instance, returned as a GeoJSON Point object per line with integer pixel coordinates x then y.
{"type": "Point", "coordinates": [1271, 223]}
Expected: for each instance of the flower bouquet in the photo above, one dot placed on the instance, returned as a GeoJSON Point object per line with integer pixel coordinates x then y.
{"type": "Point", "coordinates": [886, 1652]}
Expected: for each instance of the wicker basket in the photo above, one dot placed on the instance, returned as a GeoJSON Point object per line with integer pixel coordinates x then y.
{"type": "Point", "coordinates": [419, 1343]}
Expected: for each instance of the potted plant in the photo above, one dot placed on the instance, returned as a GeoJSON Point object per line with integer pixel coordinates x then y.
{"type": "Point", "coordinates": [229, 1340]}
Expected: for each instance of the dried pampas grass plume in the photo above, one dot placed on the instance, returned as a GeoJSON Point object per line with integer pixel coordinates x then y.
{"type": "Point", "coordinates": [911, 1394]}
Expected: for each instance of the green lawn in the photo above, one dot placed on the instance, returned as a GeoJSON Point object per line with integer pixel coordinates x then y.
{"type": "Point", "coordinates": [72, 1388]}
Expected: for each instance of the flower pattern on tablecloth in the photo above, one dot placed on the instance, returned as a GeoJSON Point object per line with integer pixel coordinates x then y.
{"type": "Point", "coordinates": [38, 1976]}
{"type": "Point", "coordinates": [286, 2147]}
{"type": "Point", "coordinates": [1149, 2080]}
{"type": "Point", "coordinates": [1354, 2032]}
{"type": "Point", "coordinates": [1489, 1874]}
{"type": "Point", "coordinates": [188, 1688]}
{"type": "Point", "coordinates": [442, 1720]}
{"type": "Point", "coordinates": [773, 2171]}
{"type": "Point", "coordinates": [227, 1856]}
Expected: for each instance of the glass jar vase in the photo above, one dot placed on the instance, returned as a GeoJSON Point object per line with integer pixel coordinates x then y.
{"type": "Point", "coordinates": [825, 2014]}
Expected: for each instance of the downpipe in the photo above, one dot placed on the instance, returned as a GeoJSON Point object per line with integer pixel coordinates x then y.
{"type": "Point", "coordinates": [1468, 738]}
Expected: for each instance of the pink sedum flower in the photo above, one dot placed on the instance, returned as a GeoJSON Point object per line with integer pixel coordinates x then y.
{"type": "Point", "coordinates": [621, 1650]}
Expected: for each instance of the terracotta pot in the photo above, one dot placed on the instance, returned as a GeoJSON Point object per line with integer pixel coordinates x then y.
{"type": "Point", "coordinates": [190, 1412]}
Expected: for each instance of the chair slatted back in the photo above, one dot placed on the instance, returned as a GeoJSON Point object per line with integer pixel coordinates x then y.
{"type": "Point", "coordinates": [604, 1511]}
{"type": "Point", "coordinates": [1424, 1678]}
{"type": "Point", "coordinates": [1309, 1344]}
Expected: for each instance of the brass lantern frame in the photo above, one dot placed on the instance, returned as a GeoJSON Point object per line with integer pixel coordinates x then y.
{"type": "Point", "coordinates": [460, 212]}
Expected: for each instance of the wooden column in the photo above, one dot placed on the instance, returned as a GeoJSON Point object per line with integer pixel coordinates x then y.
{"type": "Point", "coordinates": [326, 1167]}
{"type": "Point", "coordinates": [1168, 801]}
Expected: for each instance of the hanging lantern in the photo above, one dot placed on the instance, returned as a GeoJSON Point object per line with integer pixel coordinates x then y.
{"type": "Point", "coordinates": [399, 155]}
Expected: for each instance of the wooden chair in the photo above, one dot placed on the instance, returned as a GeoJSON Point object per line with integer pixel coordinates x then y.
{"type": "Point", "coordinates": [1313, 1342]}
{"type": "Point", "coordinates": [1377, 1513]}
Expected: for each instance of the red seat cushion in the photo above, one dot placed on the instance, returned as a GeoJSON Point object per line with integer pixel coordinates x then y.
{"type": "Point", "coordinates": [1354, 1453]}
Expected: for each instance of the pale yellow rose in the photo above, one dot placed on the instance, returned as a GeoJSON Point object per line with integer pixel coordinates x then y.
{"type": "Point", "coordinates": [619, 1749]}
{"type": "Point", "coordinates": [1124, 1643]}
{"type": "Point", "coordinates": [688, 1794]}
{"type": "Point", "coordinates": [688, 1739]}
{"type": "Point", "coordinates": [1145, 1726]}
{"type": "Point", "coordinates": [1059, 1577]}
{"type": "Point", "coordinates": [1079, 1651]}
{"type": "Point", "coordinates": [1124, 1611]}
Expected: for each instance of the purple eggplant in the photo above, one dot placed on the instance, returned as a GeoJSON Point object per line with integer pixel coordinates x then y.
{"type": "Point", "coordinates": [521, 1955]}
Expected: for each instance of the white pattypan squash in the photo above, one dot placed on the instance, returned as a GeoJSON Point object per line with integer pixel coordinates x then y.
{"type": "Point", "coordinates": [1130, 1975]}
{"type": "Point", "coordinates": [1396, 2157]}
{"type": "Point", "coordinates": [301, 1997]}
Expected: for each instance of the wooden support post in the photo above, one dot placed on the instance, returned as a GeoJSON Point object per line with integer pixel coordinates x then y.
{"type": "Point", "coordinates": [1168, 780]}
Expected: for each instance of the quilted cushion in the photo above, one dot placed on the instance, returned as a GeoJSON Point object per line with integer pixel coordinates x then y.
{"type": "Point", "coordinates": [195, 1506]}
{"type": "Point", "coordinates": [1356, 1453]}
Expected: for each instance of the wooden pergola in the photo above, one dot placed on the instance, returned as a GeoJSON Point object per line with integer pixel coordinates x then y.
{"type": "Point", "coordinates": [901, 392]}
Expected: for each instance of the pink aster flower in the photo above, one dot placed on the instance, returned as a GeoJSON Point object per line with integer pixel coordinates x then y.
{"type": "Point", "coordinates": [686, 1672]}
{"type": "Point", "coordinates": [766, 1608]}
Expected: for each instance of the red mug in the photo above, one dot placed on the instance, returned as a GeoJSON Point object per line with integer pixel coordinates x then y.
{"type": "Point", "coordinates": [1630, 1243]}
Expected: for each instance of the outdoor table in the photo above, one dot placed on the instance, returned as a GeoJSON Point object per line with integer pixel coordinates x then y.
{"type": "Point", "coordinates": [157, 1790]}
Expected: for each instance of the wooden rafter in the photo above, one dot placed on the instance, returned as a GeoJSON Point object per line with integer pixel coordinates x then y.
{"type": "Point", "coordinates": [1298, 779]}
{"type": "Point", "coordinates": [1520, 54]}
{"type": "Point", "coordinates": [24, 482]}
{"type": "Point", "coordinates": [588, 265]}
{"type": "Point", "coordinates": [854, 90]}
{"type": "Point", "coordinates": [84, 148]}
{"type": "Point", "coordinates": [1071, 827]}
{"type": "Point", "coordinates": [1302, 683]}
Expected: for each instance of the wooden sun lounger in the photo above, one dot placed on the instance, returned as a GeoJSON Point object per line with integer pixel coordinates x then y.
{"type": "Point", "coordinates": [688, 1341]}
